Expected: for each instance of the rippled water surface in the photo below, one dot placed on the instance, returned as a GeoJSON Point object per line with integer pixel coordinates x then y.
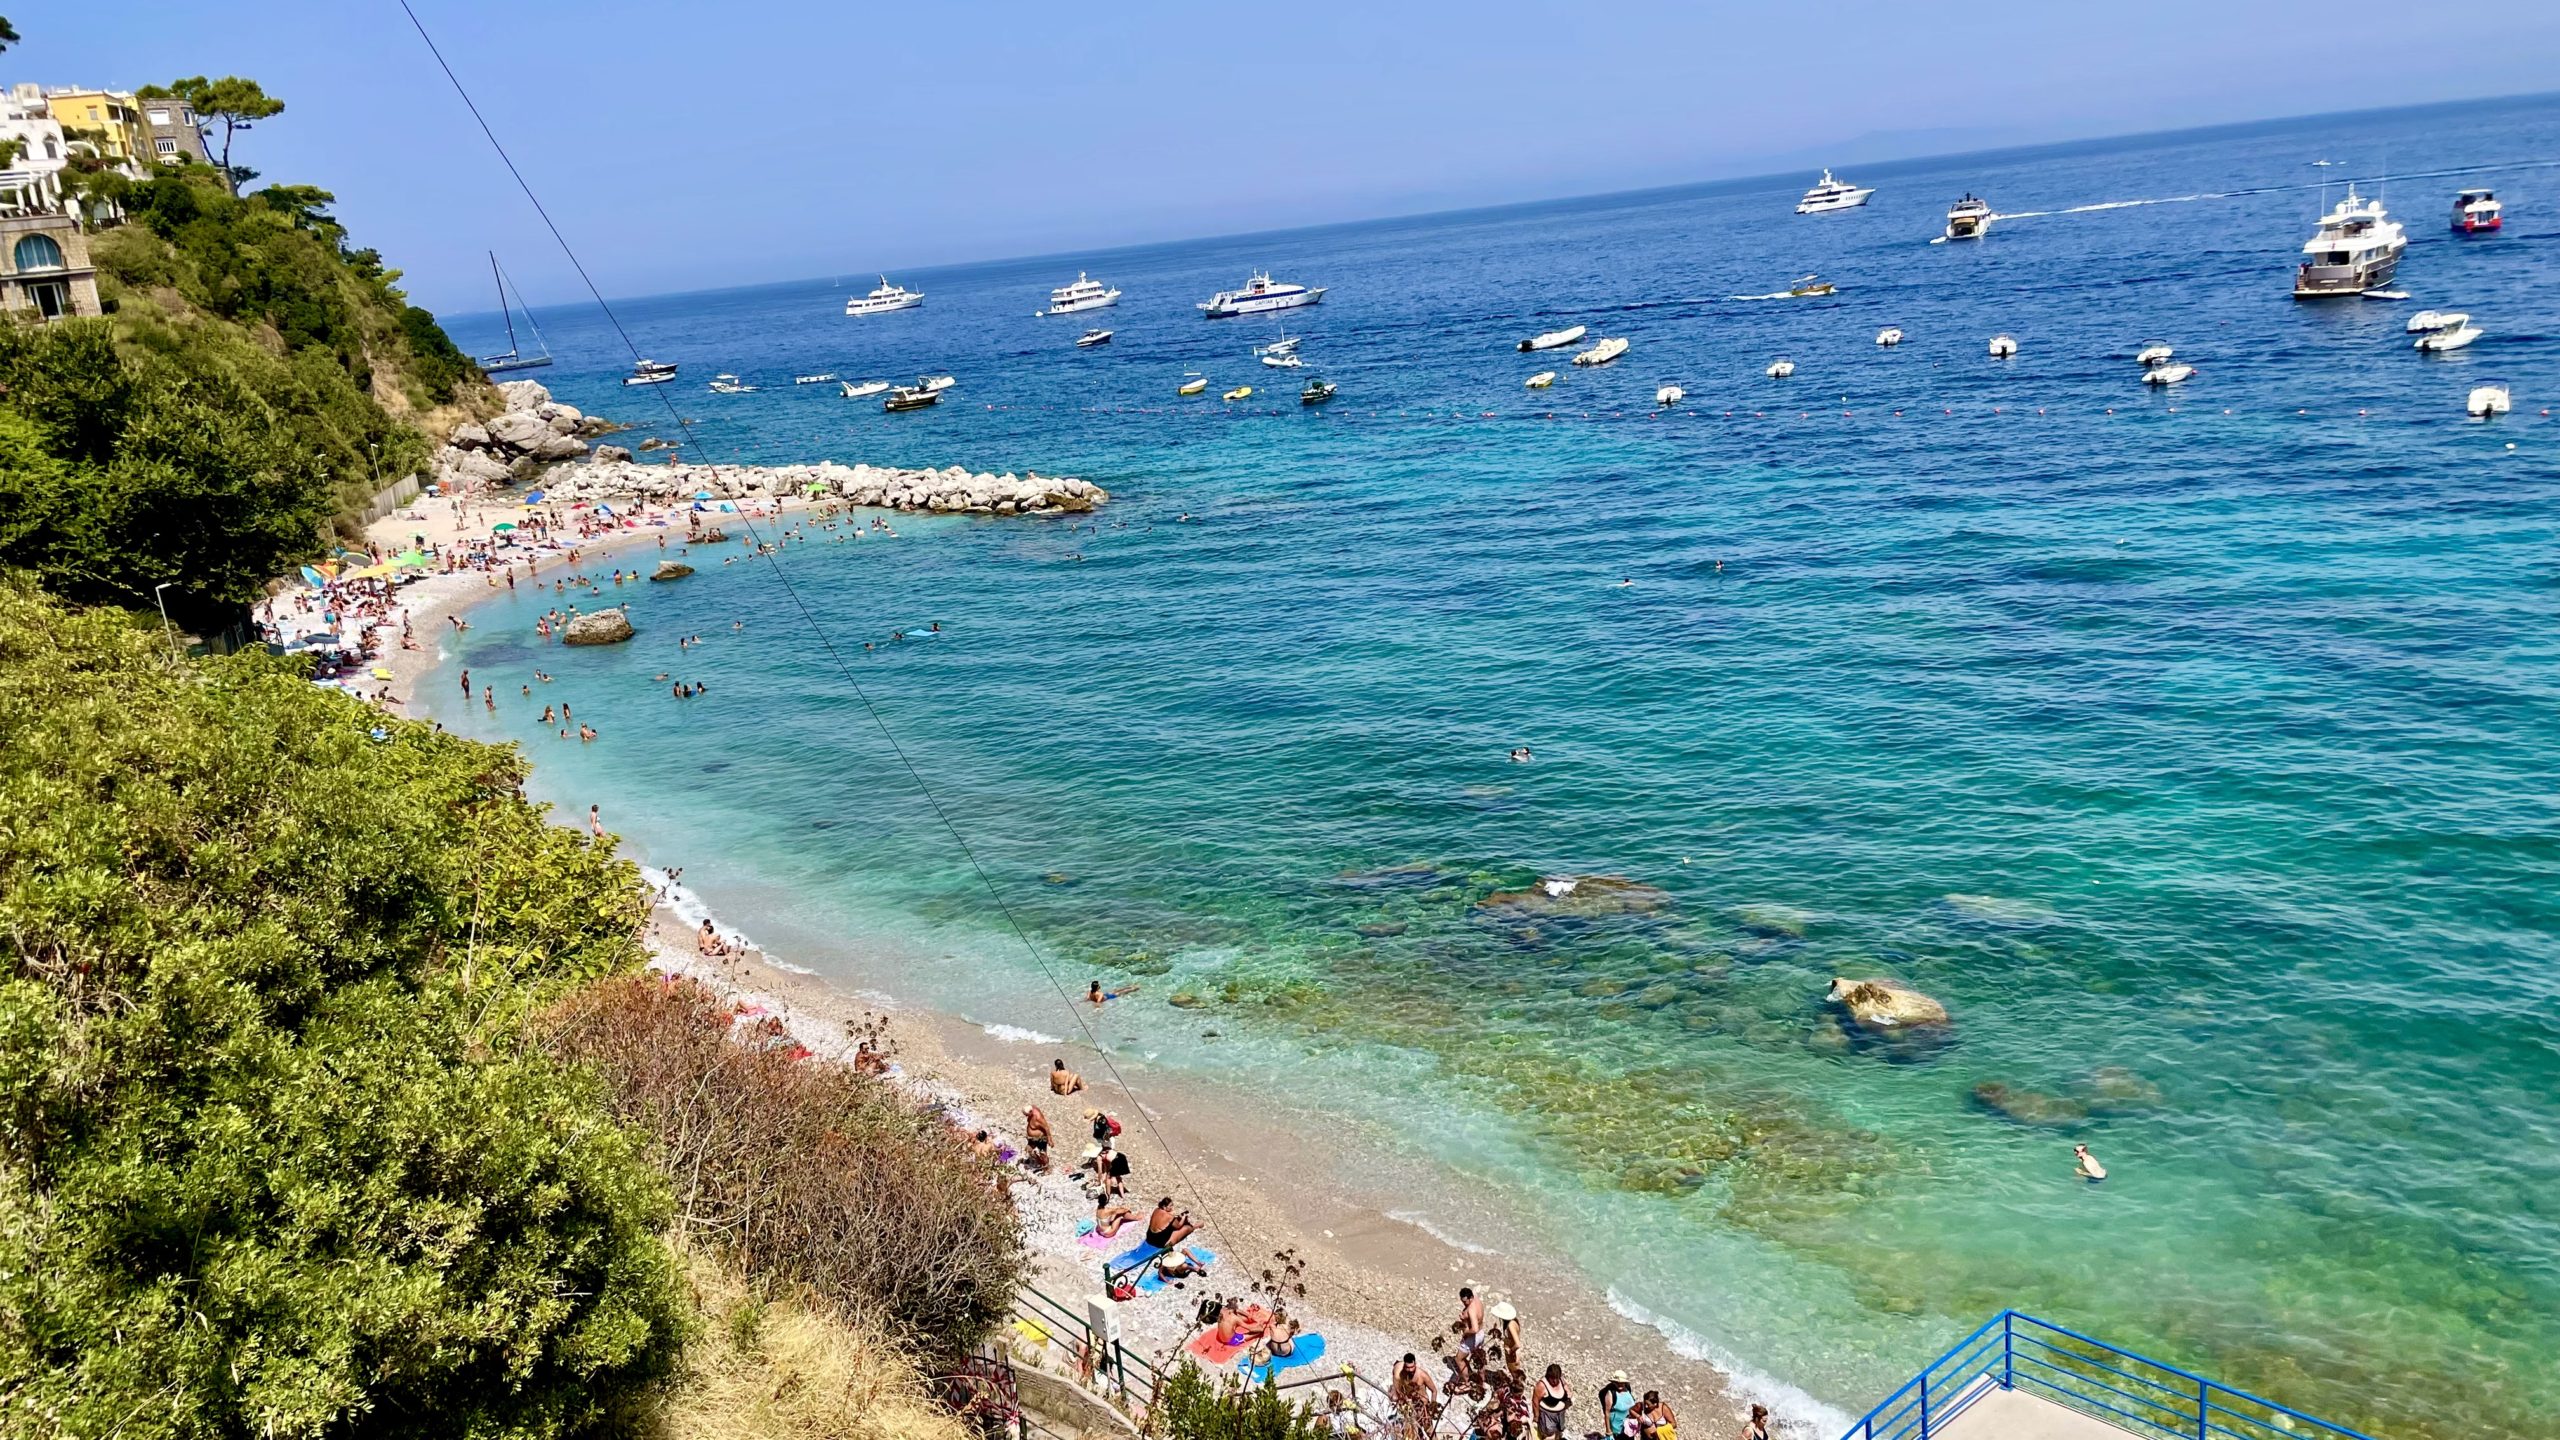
{"type": "Point", "coordinates": [2197, 748]}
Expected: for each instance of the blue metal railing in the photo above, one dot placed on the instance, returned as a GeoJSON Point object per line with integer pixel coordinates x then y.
{"type": "Point", "coordinates": [2135, 1393]}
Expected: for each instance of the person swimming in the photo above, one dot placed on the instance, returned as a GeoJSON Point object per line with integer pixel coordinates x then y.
{"type": "Point", "coordinates": [2086, 1165]}
{"type": "Point", "coordinates": [1521, 755]}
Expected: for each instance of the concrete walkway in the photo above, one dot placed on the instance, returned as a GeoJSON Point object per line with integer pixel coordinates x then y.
{"type": "Point", "coordinates": [2017, 1415]}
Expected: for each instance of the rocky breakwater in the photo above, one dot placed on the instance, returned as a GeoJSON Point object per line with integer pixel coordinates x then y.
{"type": "Point", "coordinates": [951, 490]}
{"type": "Point", "coordinates": [532, 432]}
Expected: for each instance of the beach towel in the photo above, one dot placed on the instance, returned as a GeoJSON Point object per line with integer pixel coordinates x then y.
{"type": "Point", "coordinates": [1206, 1346]}
{"type": "Point", "coordinates": [1093, 1239]}
{"type": "Point", "coordinates": [1309, 1350]}
{"type": "Point", "coordinates": [1154, 1280]}
{"type": "Point", "coordinates": [1150, 1280]}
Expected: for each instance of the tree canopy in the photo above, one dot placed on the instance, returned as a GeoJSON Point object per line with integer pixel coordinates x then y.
{"type": "Point", "coordinates": [275, 1163]}
{"type": "Point", "coordinates": [233, 103]}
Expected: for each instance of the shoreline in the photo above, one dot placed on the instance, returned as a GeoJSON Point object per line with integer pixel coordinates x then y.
{"type": "Point", "coordinates": [1380, 1269]}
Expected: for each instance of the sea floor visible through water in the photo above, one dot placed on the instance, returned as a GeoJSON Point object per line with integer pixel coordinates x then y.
{"type": "Point", "coordinates": [2194, 744]}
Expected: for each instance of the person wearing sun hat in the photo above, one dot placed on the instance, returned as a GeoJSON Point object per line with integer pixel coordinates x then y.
{"type": "Point", "coordinates": [1506, 1328]}
{"type": "Point", "coordinates": [1616, 1399]}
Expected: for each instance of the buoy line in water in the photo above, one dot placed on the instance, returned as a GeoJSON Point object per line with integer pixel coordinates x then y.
{"type": "Point", "coordinates": [772, 556]}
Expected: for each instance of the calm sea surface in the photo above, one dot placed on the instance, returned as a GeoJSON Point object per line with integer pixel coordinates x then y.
{"type": "Point", "coordinates": [2199, 747]}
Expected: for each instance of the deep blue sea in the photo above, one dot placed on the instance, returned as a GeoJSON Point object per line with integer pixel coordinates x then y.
{"type": "Point", "coordinates": [2198, 746]}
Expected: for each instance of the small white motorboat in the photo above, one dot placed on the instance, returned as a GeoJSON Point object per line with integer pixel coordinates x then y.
{"type": "Point", "coordinates": [2426, 320]}
{"type": "Point", "coordinates": [2449, 339]}
{"type": "Point", "coordinates": [1282, 362]}
{"type": "Point", "coordinates": [2386, 294]}
{"type": "Point", "coordinates": [1542, 380]}
{"type": "Point", "coordinates": [864, 390]}
{"type": "Point", "coordinates": [1093, 337]}
{"type": "Point", "coordinates": [730, 385]}
{"type": "Point", "coordinates": [2150, 355]}
{"type": "Point", "coordinates": [1669, 395]}
{"type": "Point", "coordinates": [1602, 353]}
{"type": "Point", "coordinates": [1193, 383]}
{"type": "Point", "coordinates": [2167, 374]}
{"type": "Point", "coordinates": [2003, 346]}
{"type": "Point", "coordinates": [2487, 400]}
{"type": "Point", "coordinates": [650, 372]}
{"type": "Point", "coordinates": [1890, 335]}
{"type": "Point", "coordinates": [1780, 369]}
{"type": "Point", "coordinates": [1241, 392]}
{"type": "Point", "coordinates": [1285, 345]}
{"type": "Point", "coordinates": [1554, 339]}
{"type": "Point", "coordinates": [936, 384]}
{"type": "Point", "coordinates": [811, 379]}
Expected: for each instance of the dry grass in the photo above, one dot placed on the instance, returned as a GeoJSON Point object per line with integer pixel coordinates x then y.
{"type": "Point", "coordinates": [779, 1369]}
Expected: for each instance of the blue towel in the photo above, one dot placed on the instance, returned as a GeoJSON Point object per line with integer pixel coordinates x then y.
{"type": "Point", "coordinates": [1138, 1255]}
{"type": "Point", "coordinates": [1310, 1350]}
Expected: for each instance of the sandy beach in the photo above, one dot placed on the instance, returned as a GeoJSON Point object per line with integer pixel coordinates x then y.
{"type": "Point", "coordinates": [1270, 1190]}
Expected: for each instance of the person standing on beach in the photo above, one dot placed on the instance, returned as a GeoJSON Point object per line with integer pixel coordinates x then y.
{"type": "Point", "coordinates": [595, 821]}
{"type": "Point", "coordinates": [1553, 1400]}
{"type": "Point", "coordinates": [1035, 1138]}
{"type": "Point", "coordinates": [1617, 1399]}
{"type": "Point", "coordinates": [1415, 1395]}
{"type": "Point", "coordinates": [1470, 1323]}
{"type": "Point", "coordinates": [1758, 1427]}
{"type": "Point", "coordinates": [1063, 1081]}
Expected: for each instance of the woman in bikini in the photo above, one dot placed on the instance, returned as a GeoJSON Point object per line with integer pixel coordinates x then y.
{"type": "Point", "coordinates": [1108, 1218]}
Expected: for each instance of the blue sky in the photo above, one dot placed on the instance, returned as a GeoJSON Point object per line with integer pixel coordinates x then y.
{"type": "Point", "coordinates": [684, 146]}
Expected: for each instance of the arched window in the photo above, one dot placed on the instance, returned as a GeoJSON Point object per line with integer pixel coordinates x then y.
{"type": "Point", "coordinates": [38, 252]}
{"type": "Point", "coordinates": [52, 148]}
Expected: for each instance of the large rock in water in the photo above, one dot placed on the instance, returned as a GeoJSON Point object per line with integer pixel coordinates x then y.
{"type": "Point", "coordinates": [1587, 896]}
{"type": "Point", "coordinates": [554, 446]}
{"type": "Point", "coordinates": [604, 627]}
{"type": "Point", "coordinates": [671, 570]}
{"type": "Point", "coordinates": [1883, 1007]}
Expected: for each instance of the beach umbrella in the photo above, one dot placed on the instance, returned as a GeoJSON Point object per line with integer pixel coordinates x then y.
{"type": "Point", "coordinates": [313, 578]}
{"type": "Point", "coordinates": [603, 509]}
{"type": "Point", "coordinates": [411, 558]}
{"type": "Point", "coordinates": [371, 572]}
{"type": "Point", "coordinates": [701, 494]}
{"type": "Point", "coordinates": [503, 525]}
{"type": "Point", "coordinates": [533, 496]}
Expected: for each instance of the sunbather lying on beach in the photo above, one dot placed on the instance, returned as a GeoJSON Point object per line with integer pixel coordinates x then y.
{"type": "Point", "coordinates": [1180, 1265]}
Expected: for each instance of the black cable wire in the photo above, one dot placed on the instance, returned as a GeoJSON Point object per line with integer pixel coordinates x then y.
{"type": "Point", "coordinates": [773, 554]}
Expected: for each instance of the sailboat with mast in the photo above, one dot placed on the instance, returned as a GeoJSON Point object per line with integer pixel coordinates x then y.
{"type": "Point", "coordinates": [514, 358]}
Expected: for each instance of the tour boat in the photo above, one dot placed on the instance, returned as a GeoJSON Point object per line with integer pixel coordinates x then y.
{"type": "Point", "coordinates": [936, 383]}
{"type": "Point", "coordinates": [1093, 337]}
{"type": "Point", "coordinates": [2167, 374]}
{"type": "Point", "coordinates": [811, 379]}
{"type": "Point", "coordinates": [1828, 194]}
{"type": "Point", "coordinates": [1195, 385]}
{"type": "Point", "coordinates": [1260, 294]}
{"type": "Point", "coordinates": [514, 359]}
{"type": "Point", "coordinates": [2489, 399]}
{"type": "Point", "coordinates": [650, 372]}
{"type": "Point", "coordinates": [1780, 369]}
{"type": "Point", "coordinates": [1602, 353]}
{"type": "Point", "coordinates": [1889, 336]}
{"type": "Point", "coordinates": [1554, 339]}
{"type": "Point", "coordinates": [1085, 294]}
{"type": "Point", "coordinates": [1968, 217]}
{"type": "Point", "coordinates": [2475, 211]}
{"type": "Point", "coordinates": [2452, 337]}
{"type": "Point", "coordinates": [1316, 393]}
{"type": "Point", "coordinates": [885, 299]}
{"type": "Point", "coordinates": [2356, 249]}
{"type": "Point", "coordinates": [1542, 380]}
{"type": "Point", "coordinates": [730, 385]}
{"type": "Point", "coordinates": [910, 397]}
{"type": "Point", "coordinates": [2150, 355]}
{"type": "Point", "coordinates": [865, 389]}
{"type": "Point", "coordinates": [2426, 320]}
{"type": "Point", "coordinates": [1669, 395]}
{"type": "Point", "coordinates": [1238, 393]}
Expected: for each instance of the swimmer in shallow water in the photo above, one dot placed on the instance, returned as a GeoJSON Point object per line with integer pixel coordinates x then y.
{"type": "Point", "coordinates": [2086, 1165]}
{"type": "Point", "coordinates": [1521, 755]}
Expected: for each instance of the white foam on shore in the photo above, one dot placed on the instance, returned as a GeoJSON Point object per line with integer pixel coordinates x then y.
{"type": "Point", "coordinates": [1017, 1035]}
{"type": "Point", "coordinates": [1796, 1411]}
{"type": "Point", "coordinates": [1422, 1222]}
{"type": "Point", "coordinates": [690, 909]}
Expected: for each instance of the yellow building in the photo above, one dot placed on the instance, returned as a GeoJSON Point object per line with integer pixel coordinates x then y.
{"type": "Point", "coordinates": [112, 114]}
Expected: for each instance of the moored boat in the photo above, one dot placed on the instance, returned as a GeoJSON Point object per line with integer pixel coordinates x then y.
{"type": "Point", "coordinates": [651, 372]}
{"type": "Point", "coordinates": [1086, 294]}
{"type": "Point", "coordinates": [1194, 385]}
{"type": "Point", "coordinates": [1889, 336]}
{"type": "Point", "coordinates": [2477, 212]}
{"type": "Point", "coordinates": [726, 384]}
{"type": "Point", "coordinates": [936, 383]}
{"type": "Point", "coordinates": [2452, 337]}
{"type": "Point", "coordinates": [1260, 294]}
{"type": "Point", "coordinates": [885, 299]}
{"type": "Point", "coordinates": [1541, 380]}
{"type": "Point", "coordinates": [514, 358]}
{"type": "Point", "coordinates": [1780, 368]}
{"type": "Point", "coordinates": [2168, 374]}
{"type": "Point", "coordinates": [2003, 346]}
{"type": "Point", "coordinates": [2426, 320]}
{"type": "Point", "coordinates": [865, 389]}
{"type": "Point", "coordinates": [2488, 399]}
{"type": "Point", "coordinates": [1316, 393]}
{"type": "Point", "coordinates": [2150, 355]}
{"type": "Point", "coordinates": [1555, 339]}
{"type": "Point", "coordinates": [1669, 395]}
{"type": "Point", "coordinates": [1601, 354]}
{"type": "Point", "coordinates": [910, 397]}
{"type": "Point", "coordinates": [2357, 248]}
{"type": "Point", "coordinates": [811, 379]}
{"type": "Point", "coordinates": [1239, 393]}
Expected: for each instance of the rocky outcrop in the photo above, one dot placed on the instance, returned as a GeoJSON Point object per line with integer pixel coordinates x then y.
{"type": "Point", "coordinates": [951, 490]}
{"type": "Point", "coordinates": [671, 570]}
{"type": "Point", "coordinates": [534, 430]}
{"type": "Point", "coordinates": [1585, 896]}
{"type": "Point", "coordinates": [1882, 1006]}
{"type": "Point", "coordinates": [603, 627]}
{"type": "Point", "coordinates": [610, 455]}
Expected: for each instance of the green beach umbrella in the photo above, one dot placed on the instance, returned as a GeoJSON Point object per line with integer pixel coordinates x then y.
{"type": "Point", "coordinates": [504, 525]}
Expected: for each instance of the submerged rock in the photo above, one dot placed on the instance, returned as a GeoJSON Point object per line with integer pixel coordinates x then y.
{"type": "Point", "coordinates": [1884, 1006]}
{"type": "Point", "coordinates": [1586, 896]}
{"type": "Point", "coordinates": [1382, 929]}
{"type": "Point", "coordinates": [2115, 1090]}
{"type": "Point", "coordinates": [2028, 1107]}
{"type": "Point", "coordinates": [1776, 921]}
{"type": "Point", "coordinates": [604, 627]}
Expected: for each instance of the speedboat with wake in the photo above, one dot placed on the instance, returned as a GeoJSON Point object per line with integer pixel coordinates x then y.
{"type": "Point", "coordinates": [1811, 285]}
{"type": "Point", "coordinates": [1554, 339]}
{"type": "Point", "coordinates": [1968, 218]}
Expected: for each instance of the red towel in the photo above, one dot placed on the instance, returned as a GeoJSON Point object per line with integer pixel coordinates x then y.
{"type": "Point", "coordinates": [1206, 1346]}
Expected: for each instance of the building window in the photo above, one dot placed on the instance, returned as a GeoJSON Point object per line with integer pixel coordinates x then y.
{"type": "Point", "coordinates": [49, 298]}
{"type": "Point", "coordinates": [38, 252]}
{"type": "Point", "coordinates": [52, 148]}
{"type": "Point", "coordinates": [165, 145]}
{"type": "Point", "coordinates": [159, 117]}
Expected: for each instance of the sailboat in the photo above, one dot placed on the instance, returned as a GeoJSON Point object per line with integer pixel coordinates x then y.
{"type": "Point", "coordinates": [515, 358]}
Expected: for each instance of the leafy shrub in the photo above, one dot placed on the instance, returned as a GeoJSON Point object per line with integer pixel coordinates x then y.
{"type": "Point", "coordinates": [804, 1172]}
{"type": "Point", "coordinates": [272, 1164]}
{"type": "Point", "coordinates": [1195, 1407]}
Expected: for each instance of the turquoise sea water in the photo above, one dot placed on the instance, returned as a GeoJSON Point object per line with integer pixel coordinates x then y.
{"type": "Point", "coordinates": [2205, 764]}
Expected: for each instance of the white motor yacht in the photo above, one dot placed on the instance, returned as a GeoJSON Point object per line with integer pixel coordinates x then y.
{"type": "Point", "coordinates": [2487, 400]}
{"type": "Point", "coordinates": [2477, 212]}
{"type": "Point", "coordinates": [1086, 294]}
{"type": "Point", "coordinates": [1968, 218]}
{"type": "Point", "coordinates": [1889, 336]}
{"type": "Point", "coordinates": [864, 390]}
{"type": "Point", "coordinates": [1260, 294]}
{"type": "Point", "coordinates": [2452, 337]}
{"type": "Point", "coordinates": [885, 299]}
{"type": "Point", "coordinates": [2356, 249]}
{"type": "Point", "coordinates": [1828, 194]}
{"type": "Point", "coordinates": [1555, 339]}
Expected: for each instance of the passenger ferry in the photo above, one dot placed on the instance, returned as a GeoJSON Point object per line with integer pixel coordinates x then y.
{"type": "Point", "coordinates": [2474, 212]}
{"type": "Point", "coordinates": [1828, 194]}
{"type": "Point", "coordinates": [1259, 294]}
{"type": "Point", "coordinates": [1086, 294]}
{"type": "Point", "coordinates": [2356, 249]}
{"type": "Point", "coordinates": [885, 299]}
